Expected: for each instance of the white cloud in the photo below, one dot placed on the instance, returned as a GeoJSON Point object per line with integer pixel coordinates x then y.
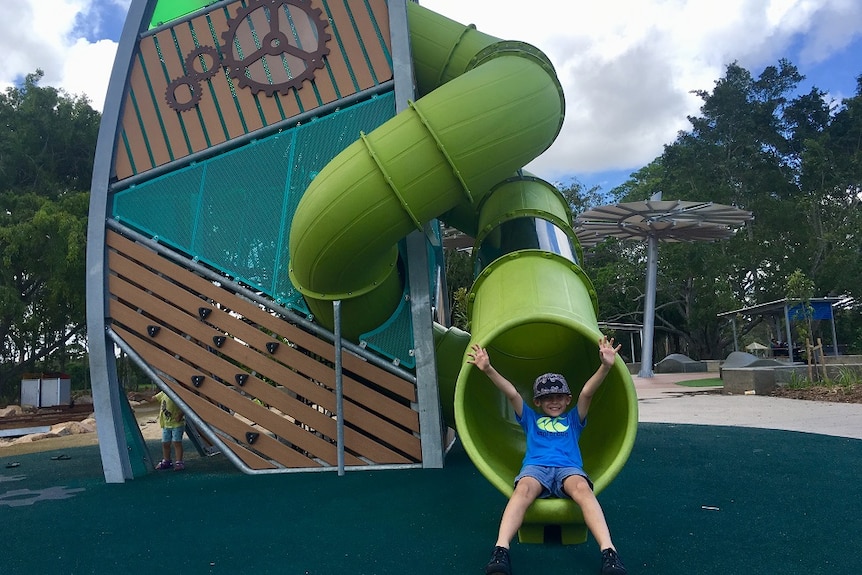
{"type": "Point", "coordinates": [49, 35]}
{"type": "Point", "coordinates": [77, 70]}
{"type": "Point", "coordinates": [627, 66]}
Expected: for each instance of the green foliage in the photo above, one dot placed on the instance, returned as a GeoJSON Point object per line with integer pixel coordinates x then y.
{"type": "Point", "coordinates": [795, 162]}
{"type": "Point", "coordinates": [459, 309]}
{"type": "Point", "coordinates": [800, 288]}
{"type": "Point", "coordinates": [846, 377]}
{"type": "Point", "coordinates": [799, 381]}
{"type": "Point", "coordinates": [46, 158]}
{"type": "Point", "coordinates": [459, 279]}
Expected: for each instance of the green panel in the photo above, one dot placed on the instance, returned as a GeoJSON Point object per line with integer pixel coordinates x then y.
{"type": "Point", "coordinates": [169, 10]}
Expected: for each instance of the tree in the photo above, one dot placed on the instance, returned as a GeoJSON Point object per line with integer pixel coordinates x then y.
{"type": "Point", "coordinates": [46, 158]}
{"type": "Point", "coordinates": [794, 162]}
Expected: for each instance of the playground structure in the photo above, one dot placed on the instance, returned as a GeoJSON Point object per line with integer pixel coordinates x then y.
{"type": "Point", "coordinates": [272, 176]}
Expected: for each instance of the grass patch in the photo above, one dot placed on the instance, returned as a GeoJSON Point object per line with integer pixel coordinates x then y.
{"type": "Point", "coordinates": [710, 382]}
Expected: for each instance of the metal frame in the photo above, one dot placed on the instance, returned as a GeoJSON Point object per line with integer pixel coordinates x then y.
{"type": "Point", "coordinates": [772, 308]}
{"type": "Point", "coordinates": [103, 369]}
{"type": "Point", "coordinates": [428, 395]}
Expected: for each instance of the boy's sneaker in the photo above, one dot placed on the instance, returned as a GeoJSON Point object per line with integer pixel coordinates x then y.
{"type": "Point", "coordinates": [179, 466]}
{"type": "Point", "coordinates": [499, 563]}
{"type": "Point", "coordinates": [611, 564]}
{"type": "Point", "coordinates": [164, 464]}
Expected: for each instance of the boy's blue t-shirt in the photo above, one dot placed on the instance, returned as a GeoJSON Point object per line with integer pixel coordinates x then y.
{"type": "Point", "coordinates": [552, 441]}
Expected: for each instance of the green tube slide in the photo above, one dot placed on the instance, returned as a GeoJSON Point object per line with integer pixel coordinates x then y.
{"type": "Point", "coordinates": [534, 309]}
{"type": "Point", "coordinates": [487, 108]}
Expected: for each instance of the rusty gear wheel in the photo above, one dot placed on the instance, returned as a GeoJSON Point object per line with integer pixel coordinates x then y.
{"type": "Point", "coordinates": [194, 58]}
{"type": "Point", "coordinates": [193, 78]}
{"type": "Point", "coordinates": [194, 87]}
{"type": "Point", "coordinates": [271, 60]}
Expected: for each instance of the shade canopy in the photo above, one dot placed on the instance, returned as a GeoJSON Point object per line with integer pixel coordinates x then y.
{"type": "Point", "coordinates": [667, 220]}
{"type": "Point", "coordinates": [657, 220]}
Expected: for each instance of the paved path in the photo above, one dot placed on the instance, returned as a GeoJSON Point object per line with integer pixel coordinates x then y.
{"type": "Point", "coordinates": [660, 400]}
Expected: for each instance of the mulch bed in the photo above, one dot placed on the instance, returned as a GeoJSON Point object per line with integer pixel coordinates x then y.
{"type": "Point", "coordinates": [836, 393]}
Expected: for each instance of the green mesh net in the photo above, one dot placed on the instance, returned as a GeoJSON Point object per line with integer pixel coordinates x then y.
{"type": "Point", "coordinates": [233, 211]}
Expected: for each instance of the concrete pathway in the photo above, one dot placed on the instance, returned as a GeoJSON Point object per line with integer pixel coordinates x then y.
{"type": "Point", "coordinates": [661, 400]}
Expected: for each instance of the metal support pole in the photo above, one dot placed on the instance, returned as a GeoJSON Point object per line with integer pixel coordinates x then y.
{"type": "Point", "coordinates": [339, 388]}
{"type": "Point", "coordinates": [103, 370]}
{"type": "Point", "coordinates": [834, 334]}
{"type": "Point", "coordinates": [649, 307]}
{"type": "Point", "coordinates": [427, 392]}
{"type": "Point", "coordinates": [789, 334]}
{"type": "Point", "coordinates": [735, 340]}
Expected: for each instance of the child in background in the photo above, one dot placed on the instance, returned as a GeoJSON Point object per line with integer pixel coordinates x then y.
{"type": "Point", "coordinates": [173, 424]}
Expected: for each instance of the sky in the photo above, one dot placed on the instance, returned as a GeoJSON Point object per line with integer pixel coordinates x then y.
{"type": "Point", "coordinates": [628, 67]}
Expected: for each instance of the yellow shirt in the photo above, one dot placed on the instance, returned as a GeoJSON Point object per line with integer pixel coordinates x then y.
{"type": "Point", "coordinates": [170, 415]}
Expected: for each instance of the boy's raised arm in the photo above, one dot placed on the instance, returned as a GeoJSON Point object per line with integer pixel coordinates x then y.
{"type": "Point", "coordinates": [479, 358]}
{"type": "Point", "coordinates": [607, 355]}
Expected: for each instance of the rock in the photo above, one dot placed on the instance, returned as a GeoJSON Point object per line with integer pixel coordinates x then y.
{"type": "Point", "coordinates": [89, 424]}
{"type": "Point", "coordinates": [61, 429]}
{"type": "Point", "coordinates": [11, 410]}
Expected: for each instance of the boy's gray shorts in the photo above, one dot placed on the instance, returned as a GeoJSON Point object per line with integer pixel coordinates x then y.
{"type": "Point", "coordinates": [551, 478]}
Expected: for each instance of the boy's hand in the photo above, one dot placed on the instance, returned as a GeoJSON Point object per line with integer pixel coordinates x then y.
{"type": "Point", "coordinates": [607, 351]}
{"type": "Point", "coordinates": [479, 357]}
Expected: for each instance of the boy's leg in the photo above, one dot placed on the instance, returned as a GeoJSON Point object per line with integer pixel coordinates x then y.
{"type": "Point", "coordinates": [166, 450]}
{"type": "Point", "coordinates": [178, 449]}
{"type": "Point", "coordinates": [579, 490]}
{"type": "Point", "coordinates": [526, 491]}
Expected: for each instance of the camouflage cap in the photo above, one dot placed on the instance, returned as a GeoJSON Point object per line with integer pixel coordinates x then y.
{"type": "Point", "coordinates": [550, 384]}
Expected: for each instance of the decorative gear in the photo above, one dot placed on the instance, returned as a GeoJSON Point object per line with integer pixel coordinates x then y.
{"type": "Point", "coordinates": [194, 87]}
{"type": "Point", "coordinates": [199, 56]}
{"type": "Point", "coordinates": [270, 60]}
{"type": "Point", "coordinates": [21, 497]}
{"type": "Point", "coordinates": [193, 78]}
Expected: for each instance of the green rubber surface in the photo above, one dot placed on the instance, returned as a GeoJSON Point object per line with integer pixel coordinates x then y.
{"type": "Point", "coordinates": [786, 503]}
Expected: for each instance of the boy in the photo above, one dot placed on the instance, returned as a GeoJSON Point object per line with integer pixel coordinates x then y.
{"type": "Point", "coordinates": [552, 465]}
{"type": "Point", "coordinates": [173, 424]}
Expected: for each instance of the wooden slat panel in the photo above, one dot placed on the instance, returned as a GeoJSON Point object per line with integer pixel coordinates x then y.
{"type": "Point", "coordinates": [338, 64]}
{"type": "Point", "coordinates": [131, 127]}
{"type": "Point", "coordinates": [148, 101]}
{"type": "Point", "coordinates": [254, 313]}
{"type": "Point", "coordinates": [222, 394]}
{"type": "Point", "coordinates": [368, 33]}
{"type": "Point", "coordinates": [122, 162]}
{"type": "Point", "coordinates": [180, 371]}
{"type": "Point", "coordinates": [172, 134]}
{"type": "Point", "coordinates": [325, 397]}
{"type": "Point", "coordinates": [168, 139]}
{"type": "Point", "coordinates": [227, 106]}
{"type": "Point", "coordinates": [224, 421]}
{"type": "Point", "coordinates": [354, 390]}
{"type": "Point", "coordinates": [178, 320]}
{"type": "Point", "coordinates": [268, 106]}
{"type": "Point", "coordinates": [175, 126]}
